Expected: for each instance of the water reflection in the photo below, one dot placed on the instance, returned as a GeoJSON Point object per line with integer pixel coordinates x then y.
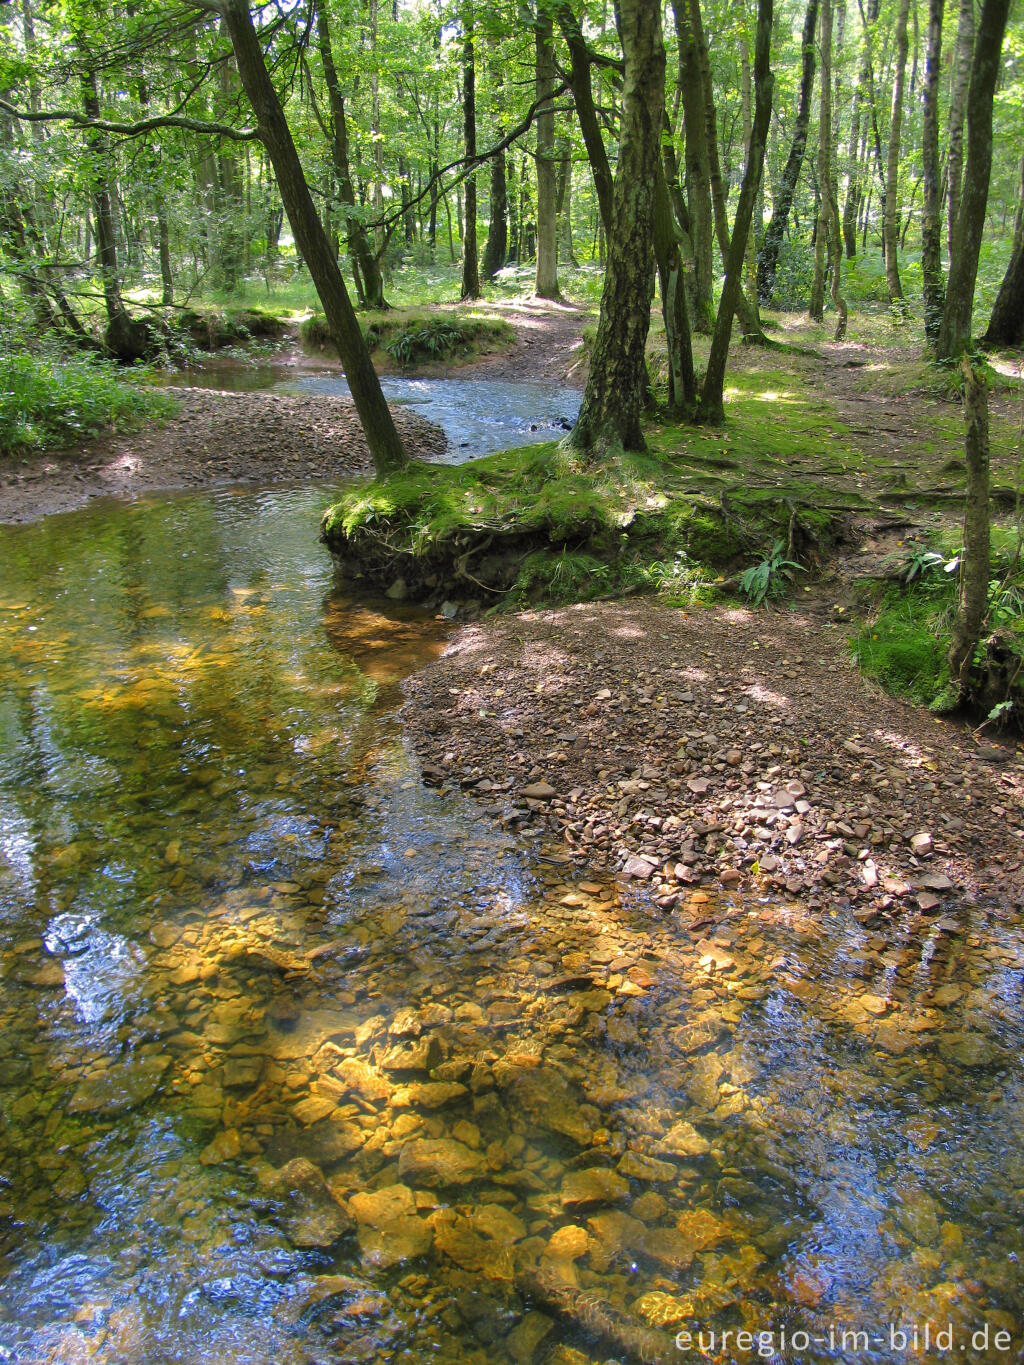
{"type": "Point", "coordinates": [305, 1062]}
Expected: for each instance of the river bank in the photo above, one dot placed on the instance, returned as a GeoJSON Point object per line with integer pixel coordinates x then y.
{"type": "Point", "coordinates": [215, 439]}
{"type": "Point", "coordinates": [722, 749]}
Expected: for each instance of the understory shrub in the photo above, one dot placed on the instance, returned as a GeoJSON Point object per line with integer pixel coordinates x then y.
{"type": "Point", "coordinates": [48, 401]}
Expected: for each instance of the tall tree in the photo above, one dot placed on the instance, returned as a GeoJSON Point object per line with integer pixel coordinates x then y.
{"type": "Point", "coordinates": [1006, 325]}
{"type": "Point", "coordinates": [828, 245]}
{"type": "Point", "coordinates": [955, 331]}
{"type": "Point", "coordinates": [782, 201]}
{"type": "Point", "coordinates": [711, 408]}
{"type": "Point", "coordinates": [891, 217]}
{"type": "Point", "coordinates": [496, 246]}
{"type": "Point", "coordinates": [546, 279]}
{"type": "Point", "coordinates": [931, 219]}
{"type": "Point", "coordinates": [609, 418]}
{"type": "Point", "coordinates": [365, 267]}
{"type": "Point", "coordinates": [385, 444]}
{"type": "Point", "coordinates": [470, 268]}
{"type": "Point", "coordinates": [699, 205]}
{"type": "Point", "coordinates": [963, 55]}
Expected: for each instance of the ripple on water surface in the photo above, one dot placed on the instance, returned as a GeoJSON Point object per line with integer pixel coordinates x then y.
{"type": "Point", "coordinates": [305, 1062]}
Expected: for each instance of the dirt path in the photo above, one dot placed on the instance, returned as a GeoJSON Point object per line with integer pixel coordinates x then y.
{"type": "Point", "coordinates": [548, 345]}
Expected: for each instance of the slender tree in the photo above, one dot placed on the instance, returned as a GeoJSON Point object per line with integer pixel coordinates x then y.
{"type": "Point", "coordinates": [955, 331]}
{"type": "Point", "coordinates": [382, 438]}
{"type": "Point", "coordinates": [711, 408]}
{"type": "Point", "coordinates": [891, 217]}
{"type": "Point", "coordinates": [470, 267]}
{"type": "Point", "coordinates": [931, 220]}
{"type": "Point", "coordinates": [546, 279]}
{"type": "Point", "coordinates": [609, 418]}
{"type": "Point", "coordinates": [782, 200]}
{"type": "Point", "coordinates": [963, 55]}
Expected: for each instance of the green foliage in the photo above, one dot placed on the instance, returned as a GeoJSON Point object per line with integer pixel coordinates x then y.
{"type": "Point", "coordinates": [413, 337]}
{"type": "Point", "coordinates": [426, 340]}
{"type": "Point", "coordinates": [50, 401]}
{"type": "Point", "coordinates": [768, 578]}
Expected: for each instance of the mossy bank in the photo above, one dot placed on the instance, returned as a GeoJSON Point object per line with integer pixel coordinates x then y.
{"type": "Point", "coordinates": [537, 524]}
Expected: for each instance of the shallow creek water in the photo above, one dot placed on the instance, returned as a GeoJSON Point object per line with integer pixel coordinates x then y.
{"type": "Point", "coordinates": [304, 1062]}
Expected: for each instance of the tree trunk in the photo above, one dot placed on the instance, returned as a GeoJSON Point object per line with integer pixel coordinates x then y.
{"type": "Point", "coordinates": [583, 98]}
{"type": "Point", "coordinates": [699, 205]}
{"type": "Point", "coordinates": [711, 409]}
{"type": "Point", "coordinates": [682, 385]}
{"type": "Point", "coordinates": [470, 266]}
{"type": "Point", "coordinates": [976, 565]}
{"type": "Point", "coordinates": [851, 206]}
{"type": "Point", "coordinates": [546, 279]}
{"type": "Point", "coordinates": [828, 244]}
{"type": "Point", "coordinates": [1006, 325]}
{"type": "Point", "coordinates": [783, 200]}
{"type": "Point", "coordinates": [564, 205]}
{"type": "Point", "coordinates": [496, 246]}
{"type": "Point", "coordinates": [816, 307]}
{"type": "Point", "coordinates": [963, 55]}
{"type": "Point", "coordinates": [748, 316]}
{"type": "Point", "coordinates": [931, 220]}
{"type": "Point", "coordinates": [385, 445]}
{"type": "Point", "coordinates": [609, 419]}
{"type": "Point", "coordinates": [955, 332]}
{"type": "Point", "coordinates": [891, 219]}
{"type": "Point", "coordinates": [364, 262]}
{"type": "Point", "coordinates": [756, 233]}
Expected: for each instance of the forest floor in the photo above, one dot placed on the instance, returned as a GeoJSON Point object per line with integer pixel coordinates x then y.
{"type": "Point", "coordinates": [682, 748]}
{"type": "Point", "coordinates": [721, 747]}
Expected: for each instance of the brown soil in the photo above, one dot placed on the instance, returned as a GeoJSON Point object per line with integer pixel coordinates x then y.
{"type": "Point", "coordinates": [215, 439]}
{"type": "Point", "coordinates": [726, 748]}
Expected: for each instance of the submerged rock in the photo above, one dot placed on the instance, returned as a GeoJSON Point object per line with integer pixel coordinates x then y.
{"type": "Point", "coordinates": [440, 1162]}
{"type": "Point", "coordinates": [309, 1214]}
{"type": "Point", "coordinates": [119, 1088]}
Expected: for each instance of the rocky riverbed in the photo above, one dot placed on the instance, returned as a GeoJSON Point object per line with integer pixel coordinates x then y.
{"type": "Point", "coordinates": [307, 1062]}
{"type": "Point", "coordinates": [722, 749]}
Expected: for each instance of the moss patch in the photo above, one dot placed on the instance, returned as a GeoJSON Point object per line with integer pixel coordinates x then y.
{"type": "Point", "coordinates": [538, 525]}
{"type": "Point", "coordinates": [410, 336]}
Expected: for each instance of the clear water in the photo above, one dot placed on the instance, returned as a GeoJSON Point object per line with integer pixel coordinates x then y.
{"type": "Point", "coordinates": [479, 416]}
{"type": "Point", "coordinates": [235, 929]}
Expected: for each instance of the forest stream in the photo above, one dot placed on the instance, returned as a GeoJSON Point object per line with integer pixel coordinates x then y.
{"type": "Point", "coordinates": [308, 1063]}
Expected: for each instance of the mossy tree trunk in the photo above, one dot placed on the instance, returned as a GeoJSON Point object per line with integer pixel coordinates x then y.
{"type": "Point", "coordinates": [385, 444]}
{"type": "Point", "coordinates": [955, 331]}
{"type": "Point", "coordinates": [976, 565]}
{"type": "Point", "coordinates": [470, 265]}
{"type": "Point", "coordinates": [546, 278]}
{"type": "Point", "coordinates": [609, 419]}
{"type": "Point", "coordinates": [711, 407]}
{"type": "Point", "coordinates": [931, 218]}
